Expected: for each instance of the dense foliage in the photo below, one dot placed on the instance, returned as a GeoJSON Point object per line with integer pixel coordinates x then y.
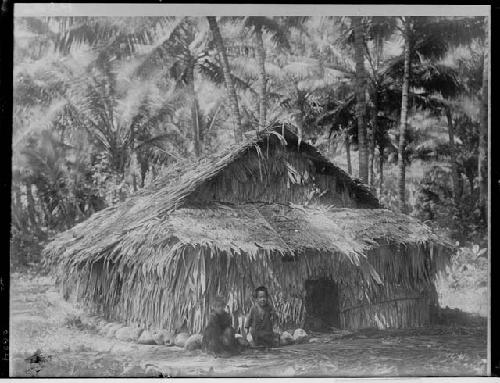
{"type": "Point", "coordinates": [103, 105]}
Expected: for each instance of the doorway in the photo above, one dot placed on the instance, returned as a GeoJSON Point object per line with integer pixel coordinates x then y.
{"type": "Point", "coordinates": [322, 305]}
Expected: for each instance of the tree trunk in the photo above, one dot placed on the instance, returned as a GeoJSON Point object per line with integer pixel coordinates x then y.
{"type": "Point", "coordinates": [195, 120]}
{"type": "Point", "coordinates": [404, 114]}
{"type": "Point", "coordinates": [233, 99]}
{"type": "Point", "coordinates": [299, 113]}
{"type": "Point", "coordinates": [483, 132]}
{"type": "Point", "coordinates": [371, 139]}
{"type": "Point", "coordinates": [371, 156]}
{"type": "Point", "coordinates": [144, 167]}
{"type": "Point", "coordinates": [453, 158]}
{"type": "Point", "coordinates": [132, 163]}
{"type": "Point", "coordinates": [261, 61]}
{"type": "Point", "coordinates": [44, 203]}
{"type": "Point", "coordinates": [471, 184]}
{"type": "Point", "coordinates": [348, 153]}
{"type": "Point", "coordinates": [31, 205]}
{"type": "Point", "coordinates": [16, 192]}
{"type": "Point", "coordinates": [381, 172]}
{"type": "Point", "coordinates": [194, 109]}
{"type": "Point", "coordinates": [359, 47]}
{"type": "Point", "coordinates": [132, 171]}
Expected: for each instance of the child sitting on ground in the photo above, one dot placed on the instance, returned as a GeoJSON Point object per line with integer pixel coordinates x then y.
{"type": "Point", "coordinates": [260, 319]}
{"type": "Point", "coordinates": [218, 337]}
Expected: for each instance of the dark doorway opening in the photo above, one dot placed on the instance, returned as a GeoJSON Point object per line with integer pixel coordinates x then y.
{"type": "Point", "coordinates": [322, 305]}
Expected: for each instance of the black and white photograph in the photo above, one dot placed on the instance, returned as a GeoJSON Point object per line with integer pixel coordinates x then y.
{"type": "Point", "coordinates": [207, 190]}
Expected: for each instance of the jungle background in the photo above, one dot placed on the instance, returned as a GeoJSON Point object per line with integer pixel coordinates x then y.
{"type": "Point", "coordinates": [103, 105]}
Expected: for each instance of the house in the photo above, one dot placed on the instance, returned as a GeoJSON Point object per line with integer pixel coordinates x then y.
{"type": "Point", "coordinates": [268, 211]}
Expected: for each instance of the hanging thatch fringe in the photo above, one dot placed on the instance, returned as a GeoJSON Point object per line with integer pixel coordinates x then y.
{"type": "Point", "coordinates": [179, 294]}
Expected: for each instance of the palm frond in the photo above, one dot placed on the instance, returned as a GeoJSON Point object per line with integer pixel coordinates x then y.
{"type": "Point", "coordinates": [214, 73]}
{"type": "Point", "coordinates": [156, 140]}
{"type": "Point", "coordinates": [174, 46]}
{"type": "Point", "coordinates": [277, 32]}
{"type": "Point", "coordinates": [76, 31]}
{"type": "Point", "coordinates": [340, 115]}
{"type": "Point", "coordinates": [437, 78]}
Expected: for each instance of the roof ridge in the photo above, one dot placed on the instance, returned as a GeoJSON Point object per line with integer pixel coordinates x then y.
{"type": "Point", "coordinates": [223, 158]}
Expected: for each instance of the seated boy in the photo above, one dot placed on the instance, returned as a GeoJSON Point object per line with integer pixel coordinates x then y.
{"type": "Point", "coordinates": [218, 337]}
{"type": "Point", "coordinates": [259, 322]}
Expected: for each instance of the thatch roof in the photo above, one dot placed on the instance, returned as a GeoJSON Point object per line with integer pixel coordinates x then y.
{"type": "Point", "coordinates": [169, 192]}
{"type": "Point", "coordinates": [155, 222]}
{"type": "Point", "coordinates": [251, 229]}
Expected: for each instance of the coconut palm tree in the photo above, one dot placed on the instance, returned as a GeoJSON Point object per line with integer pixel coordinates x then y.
{"type": "Point", "coordinates": [483, 132]}
{"type": "Point", "coordinates": [278, 30]}
{"type": "Point", "coordinates": [426, 39]}
{"type": "Point", "coordinates": [356, 32]}
{"type": "Point", "coordinates": [178, 45]}
{"type": "Point", "coordinates": [228, 80]}
{"type": "Point", "coordinates": [378, 31]}
{"type": "Point", "coordinates": [404, 113]}
{"type": "Point", "coordinates": [359, 49]}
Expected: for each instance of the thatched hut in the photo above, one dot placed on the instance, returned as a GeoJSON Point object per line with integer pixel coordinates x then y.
{"type": "Point", "coordinates": [271, 210]}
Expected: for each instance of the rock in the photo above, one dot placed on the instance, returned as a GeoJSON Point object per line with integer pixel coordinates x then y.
{"type": "Point", "coordinates": [100, 323]}
{"type": "Point", "coordinates": [104, 328]}
{"type": "Point", "coordinates": [193, 342]}
{"type": "Point", "coordinates": [314, 340]}
{"type": "Point", "coordinates": [180, 339]}
{"type": "Point", "coordinates": [128, 333]}
{"type": "Point", "coordinates": [88, 322]}
{"type": "Point", "coordinates": [170, 339]}
{"type": "Point", "coordinates": [164, 337]}
{"type": "Point", "coordinates": [146, 338]}
{"type": "Point", "coordinates": [111, 332]}
{"type": "Point", "coordinates": [133, 371]}
{"type": "Point", "coordinates": [286, 338]}
{"type": "Point", "coordinates": [299, 335]}
{"type": "Point", "coordinates": [153, 371]}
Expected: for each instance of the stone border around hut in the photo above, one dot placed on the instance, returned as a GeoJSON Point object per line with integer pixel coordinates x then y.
{"type": "Point", "coordinates": [182, 340]}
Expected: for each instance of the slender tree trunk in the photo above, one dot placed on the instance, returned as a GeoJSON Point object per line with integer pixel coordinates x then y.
{"type": "Point", "coordinates": [371, 156]}
{"type": "Point", "coordinates": [233, 99]}
{"type": "Point", "coordinates": [471, 184]}
{"type": "Point", "coordinates": [16, 192]}
{"type": "Point", "coordinates": [133, 158]}
{"type": "Point", "coordinates": [483, 132]}
{"type": "Point", "coordinates": [48, 219]}
{"type": "Point", "coordinates": [134, 175]}
{"type": "Point", "coordinates": [348, 153]}
{"type": "Point", "coordinates": [144, 165]}
{"type": "Point", "coordinates": [17, 208]}
{"type": "Point", "coordinates": [195, 119]}
{"type": "Point", "coordinates": [359, 47]}
{"type": "Point", "coordinates": [31, 205]}
{"type": "Point", "coordinates": [261, 61]}
{"type": "Point", "coordinates": [194, 108]}
{"type": "Point", "coordinates": [453, 158]}
{"type": "Point", "coordinates": [381, 172]}
{"type": "Point", "coordinates": [404, 115]}
{"type": "Point", "coordinates": [299, 116]}
{"type": "Point", "coordinates": [371, 139]}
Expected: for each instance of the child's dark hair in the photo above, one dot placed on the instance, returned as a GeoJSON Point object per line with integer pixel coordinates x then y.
{"type": "Point", "coordinates": [260, 288]}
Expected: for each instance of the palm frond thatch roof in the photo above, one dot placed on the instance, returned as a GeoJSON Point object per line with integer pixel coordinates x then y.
{"type": "Point", "coordinates": [181, 179]}
{"type": "Point", "coordinates": [157, 222]}
{"type": "Point", "coordinates": [254, 229]}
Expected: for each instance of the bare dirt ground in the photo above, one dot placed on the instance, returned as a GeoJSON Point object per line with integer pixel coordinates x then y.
{"type": "Point", "coordinates": [39, 315]}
